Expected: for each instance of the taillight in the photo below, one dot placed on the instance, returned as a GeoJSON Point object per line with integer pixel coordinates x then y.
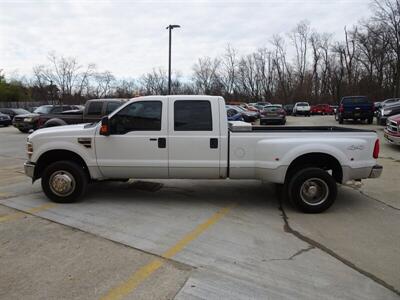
{"type": "Point", "coordinates": [341, 108]}
{"type": "Point", "coordinates": [375, 154]}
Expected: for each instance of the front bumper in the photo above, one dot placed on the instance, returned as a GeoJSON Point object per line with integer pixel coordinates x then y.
{"type": "Point", "coordinates": [24, 126]}
{"type": "Point", "coordinates": [376, 171]}
{"type": "Point", "coordinates": [29, 168]}
{"type": "Point", "coordinates": [391, 138]}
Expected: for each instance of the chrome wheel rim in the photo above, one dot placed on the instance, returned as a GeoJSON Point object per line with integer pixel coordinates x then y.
{"type": "Point", "coordinates": [62, 183]}
{"type": "Point", "coordinates": [314, 191]}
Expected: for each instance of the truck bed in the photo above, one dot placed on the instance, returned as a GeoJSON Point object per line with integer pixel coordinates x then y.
{"type": "Point", "coordinates": [307, 129]}
{"type": "Point", "coordinates": [239, 126]}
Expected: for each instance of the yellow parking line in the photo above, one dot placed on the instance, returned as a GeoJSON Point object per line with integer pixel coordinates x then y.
{"type": "Point", "coordinates": [33, 210]}
{"type": "Point", "coordinates": [4, 195]}
{"type": "Point", "coordinates": [144, 272]}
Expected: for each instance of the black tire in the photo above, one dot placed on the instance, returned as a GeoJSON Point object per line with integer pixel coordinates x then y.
{"type": "Point", "coordinates": [317, 178]}
{"type": "Point", "coordinates": [370, 120]}
{"type": "Point", "coordinates": [68, 168]}
{"type": "Point", "coordinates": [24, 130]}
{"type": "Point", "coordinates": [340, 119]}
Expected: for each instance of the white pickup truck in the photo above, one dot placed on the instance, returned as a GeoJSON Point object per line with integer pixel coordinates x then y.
{"type": "Point", "coordinates": [190, 137]}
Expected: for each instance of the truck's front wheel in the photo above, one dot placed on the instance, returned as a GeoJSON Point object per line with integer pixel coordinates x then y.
{"type": "Point", "coordinates": [312, 190]}
{"type": "Point", "coordinates": [64, 181]}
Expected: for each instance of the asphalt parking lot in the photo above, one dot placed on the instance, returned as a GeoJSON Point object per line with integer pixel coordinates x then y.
{"type": "Point", "coordinates": [184, 239]}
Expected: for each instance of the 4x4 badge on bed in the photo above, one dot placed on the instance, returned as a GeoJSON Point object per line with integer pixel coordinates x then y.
{"type": "Point", "coordinates": [355, 147]}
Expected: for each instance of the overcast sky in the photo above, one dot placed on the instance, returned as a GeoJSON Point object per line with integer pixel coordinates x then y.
{"type": "Point", "coordinates": [129, 38]}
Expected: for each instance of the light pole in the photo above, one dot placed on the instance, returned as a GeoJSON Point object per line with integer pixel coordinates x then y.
{"type": "Point", "coordinates": [170, 27]}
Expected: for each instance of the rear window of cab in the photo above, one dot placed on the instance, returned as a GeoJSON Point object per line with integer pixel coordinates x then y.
{"type": "Point", "coordinates": [356, 100]}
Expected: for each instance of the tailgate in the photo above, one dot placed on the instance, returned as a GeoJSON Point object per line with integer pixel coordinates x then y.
{"type": "Point", "coordinates": [357, 107]}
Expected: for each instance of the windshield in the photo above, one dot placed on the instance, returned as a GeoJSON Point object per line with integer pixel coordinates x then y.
{"type": "Point", "coordinates": [42, 110]}
{"type": "Point", "coordinates": [303, 104]}
{"type": "Point", "coordinates": [20, 111]}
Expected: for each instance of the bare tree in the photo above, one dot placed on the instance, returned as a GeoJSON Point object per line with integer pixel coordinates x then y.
{"type": "Point", "coordinates": [65, 73]}
{"type": "Point", "coordinates": [155, 83]}
{"type": "Point", "coordinates": [387, 13]}
{"type": "Point", "coordinates": [299, 37]}
{"type": "Point", "coordinates": [102, 84]}
{"type": "Point", "coordinates": [205, 75]}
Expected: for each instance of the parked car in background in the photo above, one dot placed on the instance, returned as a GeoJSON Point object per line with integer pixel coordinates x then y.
{"type": "Point", "coordinates": [355, 108]}
{"type": "Point", "coordinates": [5, 120]}
{"type": "Point", "coordinates": [392, 130]}
{"type": "Point", "coordinates": [248, 116]}
{"type": "Point", "coordinates": [389, 101]}
{"type": "Point", "coordinates": [233, 115]}
{"type": "Point", "coordinates": [302, 108]}
{"type": "Point", "coordinates": [387, 111]}
{"type": "Point", "coordinates": [12, 112]}
{"type": "Point", "coordinates": [251, 108]}
{"type": "Point", "coordinates": [30, 121]}
{"type": "Point", "coordinates": [93, 111]}
{"type": "Point", "coordinates": [321, 109]}
{"type": "Point", "coordinates": [273, 114]}
{"type": "Point", "coordinates": [288, 109]}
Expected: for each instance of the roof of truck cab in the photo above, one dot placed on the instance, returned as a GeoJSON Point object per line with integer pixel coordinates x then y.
{"type": "Point", "coordinates": [109, 99]}
{"type": "Point", "coordinates": [183, 97]}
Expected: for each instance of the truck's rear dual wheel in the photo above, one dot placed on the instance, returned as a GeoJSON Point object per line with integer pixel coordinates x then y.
{"type": "Point", "coordinates": [312, 190]}
{"type": "Point", "coordinates": [64, 181]}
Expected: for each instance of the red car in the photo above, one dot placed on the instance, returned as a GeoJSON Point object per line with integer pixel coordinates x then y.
{"type": "Point", "coordinates": [392, 130]}
{"type": "Point", "coordinates": [321, 109]}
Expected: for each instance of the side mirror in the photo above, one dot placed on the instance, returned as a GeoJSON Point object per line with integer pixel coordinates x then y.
{"type": "Point", "coordinates": [105, 128]}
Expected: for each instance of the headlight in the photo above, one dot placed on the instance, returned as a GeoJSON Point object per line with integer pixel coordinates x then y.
{"type": "Point", "coordinates": [28, 120]}
{"type": "Point", "coordinates": [29, 149]}
{"type": "Point", "coordinates": [386, 112]}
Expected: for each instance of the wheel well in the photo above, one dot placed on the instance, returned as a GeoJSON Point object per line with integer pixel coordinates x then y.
{"type": "Point", "coordinates": [318, 160]}
{"type": "Point", "coordinates": [51, 156]}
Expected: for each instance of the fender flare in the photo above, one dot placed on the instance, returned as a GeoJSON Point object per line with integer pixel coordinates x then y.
{"type": "Point", "coordinates": [54, 122]}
